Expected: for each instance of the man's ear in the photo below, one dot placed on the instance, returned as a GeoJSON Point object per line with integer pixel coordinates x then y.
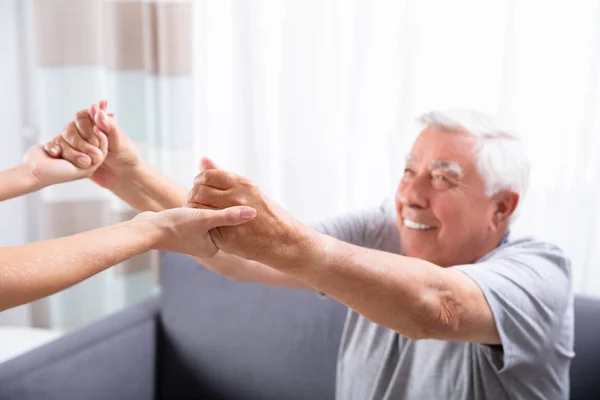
{"type": "Point", "coordinates": [505, 204]}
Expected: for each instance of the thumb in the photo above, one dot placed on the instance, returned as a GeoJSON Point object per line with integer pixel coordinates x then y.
{"type": "Point", "coordinates": [207, 163]}
{"type": "Point", "coordinates": [227, 217]}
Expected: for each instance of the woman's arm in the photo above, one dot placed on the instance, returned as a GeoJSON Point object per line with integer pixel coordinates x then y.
{"type": "Point", "coordinates": [38, 169]}
{"type": "Point", "coordinates": [32, 271]}
{"type": "Point", "coordinates": [17, 181]}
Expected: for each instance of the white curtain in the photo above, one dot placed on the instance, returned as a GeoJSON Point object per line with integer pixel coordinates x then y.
{"type": "Point", "coordinates": [315, 101]}
{"type": "Point", "coordinates": [13, 213]}
{"type": "Point", "coordinates": [138, 55]}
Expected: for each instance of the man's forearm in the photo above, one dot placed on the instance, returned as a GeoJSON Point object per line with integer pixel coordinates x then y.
{"type": "Point", "coordinates": [399, 292]}
{"type": "Point", "coordinates": [239, 269]}
{"type": "Point", "coordinates": [17, 181]}
{"type": "Point", "coordinates": [36, 270]}
{"type": "Point", "coordinates": [147, 189]}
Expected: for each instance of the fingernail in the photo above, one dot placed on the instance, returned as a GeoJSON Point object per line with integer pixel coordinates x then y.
{"type": "Point", "coordinates": [83, 161]}
{"type": "Point", "coordinates": [248, 213]}
{"type": "Point", "coordinates": [53, 150]}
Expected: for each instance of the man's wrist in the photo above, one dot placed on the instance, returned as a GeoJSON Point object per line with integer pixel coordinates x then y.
{"type": "Point", "coordinates": [135, 187]}
{"type": "Point", "coordinates": [146, 189]}
{"type": "Point", "coordinates": [133, 176]}
{"type": "Point", "coordinates": [308, 247]}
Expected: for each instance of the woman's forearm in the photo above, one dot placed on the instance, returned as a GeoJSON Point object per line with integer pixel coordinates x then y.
{"type": "Point", "coordinates": [17, 181]}
{"type": "Point", "coordinates": [32, 271]}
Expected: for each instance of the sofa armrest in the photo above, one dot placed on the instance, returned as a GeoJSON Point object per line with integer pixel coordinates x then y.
{"type": "Point", "coordinates": [113, 358]}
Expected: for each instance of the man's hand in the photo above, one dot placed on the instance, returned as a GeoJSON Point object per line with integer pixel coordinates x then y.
{"type": "Point", "coordinates": [48, 171]}
{"type": "Point", "coordinates": [272, 236]}
{"type": "Point", "coordinates": [186, 230]}
{"type": "Point", "coordinates": [122, 159]}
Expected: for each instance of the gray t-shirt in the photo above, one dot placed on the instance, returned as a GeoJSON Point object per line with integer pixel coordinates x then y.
{"type": "Point", "coordinates": [527, 284]}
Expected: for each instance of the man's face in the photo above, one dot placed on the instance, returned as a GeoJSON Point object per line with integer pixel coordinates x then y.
{"type": "Point", "coordinates": [444, 215]}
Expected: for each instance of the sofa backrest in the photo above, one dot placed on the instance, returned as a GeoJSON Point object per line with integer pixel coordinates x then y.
{"type": "Point", "coordinates": [231, 340]}
{"type": "Point", "coordinates": [585, 369]}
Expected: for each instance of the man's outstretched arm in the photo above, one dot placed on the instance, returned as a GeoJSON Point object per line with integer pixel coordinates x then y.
{"type": "Point", "coordinates": [411, 296]}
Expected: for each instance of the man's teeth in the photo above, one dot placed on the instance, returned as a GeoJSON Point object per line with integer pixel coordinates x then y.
{"type": "Point", "coordinates": [415, 225]}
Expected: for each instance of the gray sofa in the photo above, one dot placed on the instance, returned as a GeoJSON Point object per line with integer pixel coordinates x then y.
{"type": "Point", "coordinates": [209, 338]}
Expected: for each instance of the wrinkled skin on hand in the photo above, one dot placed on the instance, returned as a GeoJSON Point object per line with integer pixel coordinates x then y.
{"type": "Point", "coordinates": [273, 236]}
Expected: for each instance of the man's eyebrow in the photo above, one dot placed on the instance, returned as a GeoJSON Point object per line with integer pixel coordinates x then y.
{"type": "Point", "coordinates": [448, 166]}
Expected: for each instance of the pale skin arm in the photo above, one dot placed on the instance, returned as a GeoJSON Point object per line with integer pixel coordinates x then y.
{"type": "Point", "coordinates": [39, 169]}
{"type": "Point", "coordinates": [30, 272]}
{"type": "Point", "coordinates": [17, 181]}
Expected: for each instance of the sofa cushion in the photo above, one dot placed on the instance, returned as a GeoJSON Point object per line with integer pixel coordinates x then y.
{"type": "Point", "coordinates": [232, 340]}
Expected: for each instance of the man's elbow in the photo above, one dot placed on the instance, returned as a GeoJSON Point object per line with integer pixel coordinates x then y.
{"type": "Point", "coordinates": [438, 317]}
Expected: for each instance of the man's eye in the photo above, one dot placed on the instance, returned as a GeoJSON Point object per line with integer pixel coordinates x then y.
{"type": "Point", "coordinates": [440, 181]}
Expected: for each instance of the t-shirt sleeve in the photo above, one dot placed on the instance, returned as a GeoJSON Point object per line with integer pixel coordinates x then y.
{"type": "Point", "coordinates": [359, 227]}
{"type": "Point", "coordinates": [528, 290]}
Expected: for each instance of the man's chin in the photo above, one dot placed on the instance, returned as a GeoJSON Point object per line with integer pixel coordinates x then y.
{"type": "Point", "coordinates": [420, 253]}
{"type": "Point", "coordinates": [415, 252]}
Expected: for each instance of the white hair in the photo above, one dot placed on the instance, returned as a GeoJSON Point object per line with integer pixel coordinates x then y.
{"type": "Point", "coordinates": [501, 159]}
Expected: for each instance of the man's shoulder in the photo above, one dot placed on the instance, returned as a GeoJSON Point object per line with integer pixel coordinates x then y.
{"type": "Point", "coordinates": [372, 226]}
{"type": "Point", "coordinates": [529, 247]}
{"type": "Point", "coordinates": [520, 257]}
{"type": "Point", "coordinates": [383, 210]}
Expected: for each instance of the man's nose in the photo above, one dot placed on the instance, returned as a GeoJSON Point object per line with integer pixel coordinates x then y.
{"type": "Point", "coordinates": [414, 193]}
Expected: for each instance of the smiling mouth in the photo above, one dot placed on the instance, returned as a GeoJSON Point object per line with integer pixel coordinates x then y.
{"type": "Point", "coordinates": [410, 224]}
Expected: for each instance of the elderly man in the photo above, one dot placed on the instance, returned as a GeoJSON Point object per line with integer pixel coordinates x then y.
{"type": "Point", "coordinates": [443, 303]}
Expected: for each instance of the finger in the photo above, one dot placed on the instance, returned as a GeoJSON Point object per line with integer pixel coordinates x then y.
{"type": "Point", "coordinates": [207, 163]}
{"type": "Point", "coordinates": [103, 105]}
{"type": "Point", "coordinates": [75, 157]}
{"type": "Point", "coordinates": [85, 125]}
{"type": "Point", "coordinates": [93, 110]}
{"type": "Point", "coordinates": [209, 196]}
{"type": "Point", "coordinates": [73, 137]}
{"type": "Point", "coordinates": [52, 149]}
{"type": "Point", "coordinates": [227, 217]}
{"type": "Point", "coordinates": [201, 206]}
{"type": "Point", "coordinates": [216, 178]}
{"type": "Point", "coordinates": [103, 142]}
{"type": "Point", "coordinates": [111, 130]}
